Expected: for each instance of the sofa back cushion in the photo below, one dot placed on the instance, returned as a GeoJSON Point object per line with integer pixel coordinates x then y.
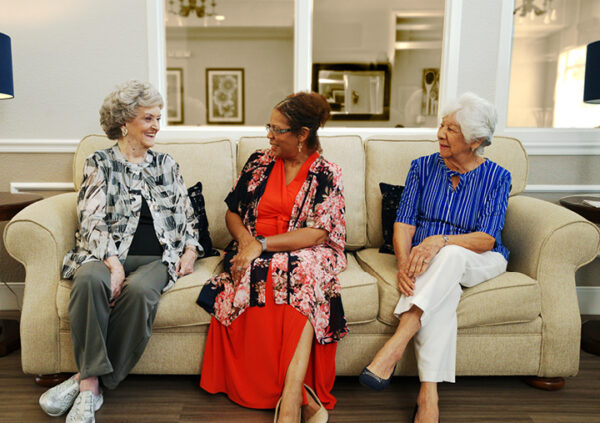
{"type": "Point", "coordinates": [347, 152]}
{"type": "Point", "coordinates": [388, 160]}
{"type": "Point", "coordinates": [209, 161]}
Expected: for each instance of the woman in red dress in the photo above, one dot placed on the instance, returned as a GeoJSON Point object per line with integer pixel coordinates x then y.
{"type": "Point", "coordinates": [277, 310]}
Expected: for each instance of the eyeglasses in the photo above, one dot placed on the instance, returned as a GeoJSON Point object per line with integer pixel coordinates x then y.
{"type": "Point", "coordinates": [276, 130]}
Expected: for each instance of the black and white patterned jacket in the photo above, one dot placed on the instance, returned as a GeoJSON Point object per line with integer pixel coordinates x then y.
{"type": "Point", "coordinates": [109, 204]}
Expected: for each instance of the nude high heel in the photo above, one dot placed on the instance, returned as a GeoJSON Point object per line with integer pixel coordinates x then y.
{"type": "Point", "coordinates": [321, 416]}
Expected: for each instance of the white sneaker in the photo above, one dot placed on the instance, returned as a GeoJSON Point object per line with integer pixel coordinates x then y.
{"type": "Point", "coordinates": [57, 401]}
{"type": "Point", "coordinates": [84, 408]}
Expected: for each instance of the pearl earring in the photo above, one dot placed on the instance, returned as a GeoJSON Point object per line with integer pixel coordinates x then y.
{"type": "Point", "coordinates": [124, 131]}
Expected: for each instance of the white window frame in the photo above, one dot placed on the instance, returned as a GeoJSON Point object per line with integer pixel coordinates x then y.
{"type": "Point", "coordinates": [538, 141]}
{"type": "Point", "coordinates": [302, 73]}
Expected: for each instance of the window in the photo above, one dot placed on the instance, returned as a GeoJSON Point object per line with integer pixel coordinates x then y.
{"type": "Point", "coordinates": [548, 63]}
{"type": "Point", "coordinates": [570, 110]}
{"type": "Point", "coordinates": [228, 61]}
{"type": "Point", "coordinates": [250, 44]}
{"type": "Point", "coordinates": [374, 35]}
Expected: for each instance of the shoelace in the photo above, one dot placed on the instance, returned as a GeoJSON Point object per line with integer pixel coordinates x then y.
{"type": "Point", "coordinates": [69, 396]}
{"type": "Point", "coordinates": [88, 406]}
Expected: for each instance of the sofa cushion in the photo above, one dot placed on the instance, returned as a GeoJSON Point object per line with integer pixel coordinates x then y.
{"type": "Point", "coordinates": [348, 153]}
{"type": "Point", "coordinates": [509, 298]}
{"type": "Point", "coordinates": [177, 307]}
{"type": "Point", "coordinates": [208, 161]}
{"type": "Point", "coordinates": [388, 160]}
{"type": "Point", "coordinates": [359, 293]}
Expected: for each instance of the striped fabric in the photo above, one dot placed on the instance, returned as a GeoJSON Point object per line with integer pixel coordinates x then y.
{"type": "Point", "coordinates": [478, 204]}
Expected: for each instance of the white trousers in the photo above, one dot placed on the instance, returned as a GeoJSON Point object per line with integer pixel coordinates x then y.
{"type": "Point", "coordinates": [437, 292]}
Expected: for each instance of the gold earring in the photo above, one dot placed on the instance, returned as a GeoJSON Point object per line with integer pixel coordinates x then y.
{"type": "Point", "coordinates": [124, 131]}
{"type": "Point", "coordinates": [299, 147]}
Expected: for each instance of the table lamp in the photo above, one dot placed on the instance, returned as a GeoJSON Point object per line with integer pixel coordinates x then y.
{"type": "Point", "coordinates": [591, 90]}
{"type": "Point", "coordinates": [6, 78]}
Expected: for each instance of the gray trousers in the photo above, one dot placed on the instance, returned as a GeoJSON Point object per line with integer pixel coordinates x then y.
{"type": "Point", "coordinates": [109, 341]}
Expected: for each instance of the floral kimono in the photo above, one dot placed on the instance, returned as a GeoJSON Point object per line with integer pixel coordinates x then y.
{"type": "Point", "coordinates": [306, 279]}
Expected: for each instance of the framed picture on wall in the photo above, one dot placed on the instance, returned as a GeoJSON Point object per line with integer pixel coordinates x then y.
{"type": "Point", "coordinates": [175, 95]}
{"type": "Point", "coordinates": [225, 95]}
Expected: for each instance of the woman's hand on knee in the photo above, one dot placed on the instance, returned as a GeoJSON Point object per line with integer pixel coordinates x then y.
{"type": "Point", "coordinates": [185, 265]}
{"type": "Point", "coordinates": [117, 276]}
{"type": "Point", "coordinates": [422, 254]}
{"type": "Point", "coordinates": [243, 258]}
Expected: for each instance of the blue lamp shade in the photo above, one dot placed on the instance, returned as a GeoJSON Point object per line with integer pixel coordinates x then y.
{"type": "Point", "coordinates": [591, 90]}
{"type": "Point", "coordinates": [6, 78]}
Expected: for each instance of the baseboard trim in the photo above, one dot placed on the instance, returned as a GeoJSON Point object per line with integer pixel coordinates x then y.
{"type": "Point", "coordinates": [16, 187]}
{"type": "Point", "coordinates": [536, 143]}
{"type": "Point", "coordinates": [38, 146]}
{"type": "Point", "coordinates": [24, 187]}
{"type": "Point", "coordinates": [562, 188]}
{"type": "Point", "coordinates": [589, 299]}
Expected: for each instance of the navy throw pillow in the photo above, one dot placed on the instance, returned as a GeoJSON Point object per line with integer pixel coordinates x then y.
{"type": "Point", "coordinates": [390, 198]}
{"type": "Point", "coordinates": [197, 199]}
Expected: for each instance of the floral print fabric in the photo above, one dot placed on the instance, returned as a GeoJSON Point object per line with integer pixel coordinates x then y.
{"type": "Point", "coordinates": [306, 279]}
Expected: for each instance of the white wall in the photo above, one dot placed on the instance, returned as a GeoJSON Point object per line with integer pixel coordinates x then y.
{"type": "Point", "coordinates": [67, 55]}
{"type": "Point", "coordinates": [478, 55]}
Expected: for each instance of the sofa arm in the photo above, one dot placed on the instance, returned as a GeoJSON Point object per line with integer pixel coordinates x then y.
{"type": "Point", "coordinates": [549, 243]}
{"type": "Point", "coordinates": [39, 237]}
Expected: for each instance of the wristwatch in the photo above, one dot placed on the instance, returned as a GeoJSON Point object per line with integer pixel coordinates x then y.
{"type": "Point", "coordinates": [446, 240]}
{"type": "Point", "coordinates": [263, 242]}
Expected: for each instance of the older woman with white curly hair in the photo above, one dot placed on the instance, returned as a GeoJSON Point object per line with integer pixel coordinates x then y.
{"type": "Point", "coordinates": [137, 234]}
{"type": "Point", "coordinates": [446, 235]}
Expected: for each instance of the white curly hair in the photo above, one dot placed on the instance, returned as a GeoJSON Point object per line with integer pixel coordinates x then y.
{"type": "Point", "coordinates": [477, 118]}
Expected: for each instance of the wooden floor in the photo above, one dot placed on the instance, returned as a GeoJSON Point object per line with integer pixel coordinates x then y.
{"type": "Point", "coordinates": [168, 399]}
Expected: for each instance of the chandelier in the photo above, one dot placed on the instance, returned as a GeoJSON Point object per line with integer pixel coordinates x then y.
{"type": "Point", "coordinates": [529, 9]}
{"type": "Point", "coordinates": [199, 7]}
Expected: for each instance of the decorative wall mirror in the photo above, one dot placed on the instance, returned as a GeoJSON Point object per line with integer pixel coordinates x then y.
{"type": "Point", "coordinates": [354, 91]}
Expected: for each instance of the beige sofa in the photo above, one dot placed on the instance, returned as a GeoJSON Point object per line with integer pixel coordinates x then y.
{"type": "Point", "coordinates": [524, 322]}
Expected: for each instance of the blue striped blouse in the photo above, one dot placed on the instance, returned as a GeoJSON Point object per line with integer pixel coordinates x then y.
{"type": "Point", "coordinates": [477, 204]}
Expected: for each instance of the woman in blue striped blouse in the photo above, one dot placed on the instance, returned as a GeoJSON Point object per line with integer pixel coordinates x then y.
{"type": "Point", "coordinates": [447, 234]}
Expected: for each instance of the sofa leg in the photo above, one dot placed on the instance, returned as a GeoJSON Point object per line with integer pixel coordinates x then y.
{"type": "Point", "coordinates": [546, 383]}
{"type": "Point", "coordinates": [51, 380]}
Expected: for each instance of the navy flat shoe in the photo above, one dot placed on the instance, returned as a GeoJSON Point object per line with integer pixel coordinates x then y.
{"type": "Point", "coordinates": [371, 380]}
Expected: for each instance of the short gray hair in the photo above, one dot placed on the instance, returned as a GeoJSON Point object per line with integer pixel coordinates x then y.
{"type": "Point", "coordinates": [121, 105]}
{"type": "Point", "coordinates": [477, 118]}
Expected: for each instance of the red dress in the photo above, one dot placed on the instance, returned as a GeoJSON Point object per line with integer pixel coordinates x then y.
{"type": "Point", "coordinates": [248, 359]}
